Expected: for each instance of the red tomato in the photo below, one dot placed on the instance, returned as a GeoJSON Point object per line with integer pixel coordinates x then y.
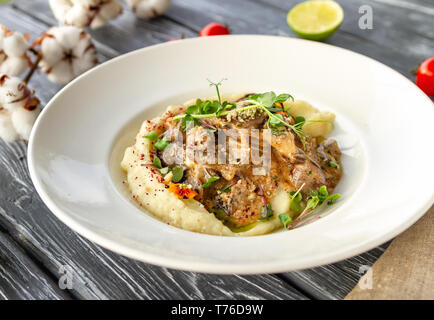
{"type": "Point", "coordinates": [425, 76]}
{"type": "Point", "coordinates": [214, 29]}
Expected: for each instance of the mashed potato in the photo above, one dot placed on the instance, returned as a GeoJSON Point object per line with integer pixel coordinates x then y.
{"type": "Point", "coordinates": [149, 189]}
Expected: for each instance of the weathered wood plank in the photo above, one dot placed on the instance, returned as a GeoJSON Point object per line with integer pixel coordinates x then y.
{"type": "Point", "coordinates": [98, 273]}
{"type": "Point", "coordinates": [402, 48]}
{"type": "Point", "coordinates": [16, 20]}
{"type": "Point", "coordinates": [124, 34]}
{"type": "Point", "coordinates": [20, 278]}
{"type": "Point", "coordinates": [423, 6]}
{"type": "Point", "coordinates": [410, 32]}
{"type": "Point", "coordinates": [390, 42]}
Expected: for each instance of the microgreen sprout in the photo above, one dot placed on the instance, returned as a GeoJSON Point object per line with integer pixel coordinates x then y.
{"type": "Point", "coordinates": [178, 173]}
{"type": "Point", "coordinates": [295, 199]}
{"type": "Point", "coordinates": [317, 198]}
{"type": "Point", "coordinates": [162, 144]}
{"type": "Point", "coordinates": [210, 181]}
{"type": "Point", "coordinates": [216, 85]}
{"type": "Point", "coordinates": [157, 162]}
{"type": "Point", "coordinates": [266, 212]}
{"type": "Point", "coordinates": [333, 164]}
{"type": "Point", "coordinates": [269, 102]}
{"type": "Point", "coordinates": [285, 219]}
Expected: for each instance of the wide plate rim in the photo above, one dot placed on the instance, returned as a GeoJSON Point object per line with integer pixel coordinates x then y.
{"type": "Point", "coordinates": [222, 268]}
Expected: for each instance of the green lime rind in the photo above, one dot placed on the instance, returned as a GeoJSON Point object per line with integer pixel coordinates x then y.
{"type": "Point", "coordinates": [316, 36]}
{"type": "Point", "coordinates": [314, 11]}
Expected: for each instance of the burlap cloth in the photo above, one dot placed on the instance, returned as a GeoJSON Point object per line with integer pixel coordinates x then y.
{"type": "Point", "coordinates": [406, 269]}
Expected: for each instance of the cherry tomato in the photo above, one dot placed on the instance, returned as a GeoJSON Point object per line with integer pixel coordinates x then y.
{"type": "Point", "coordinates": [214, 29]}
{"type": "Point", "coordinates": [425, 76]}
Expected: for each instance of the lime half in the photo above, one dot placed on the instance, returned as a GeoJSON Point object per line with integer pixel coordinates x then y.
{"type": "Point", "coordinates": [315, 19]}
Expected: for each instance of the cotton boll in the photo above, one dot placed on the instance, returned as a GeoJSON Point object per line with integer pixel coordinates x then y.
{"type": "Point", "coordinates": [23, 119]}
{"type": "Point", "coordinates": [67, 37]}
{"type": "Point", "coordinates": [107, 12]}
{"type": "Point", "coordinates": [18, 109]}
{"type": "Point", "coordinates": [78, 16]}
{"type": "Point", "coordinates": [15, 45]}
{"type": "Point", "coordinates": [92, 3]}
{"type": "Point", "coordinates": [7, 130]}
{"type": "Point", "coordinates": [14, 65]}
{"type": "Point", "coordinates": [66, 53]}
{"type": "Point", "coordinates": [13, 94]}
{"type": "Point", "coordinates": [148, 9]}
{"type": "Point", "coordinates": [70, 12]}
{"type": "Point", "coordinates": [53, 51]}
{"type": "Point", "coordinates": [13, 52]}
{"type": "Point", "coordinates": [3, 31]}
{"type": "Point", "coordinates": [83, 13]}
{"type": "Point", "coordinates": [61, 72]}
{"type": "Point", "coordinates": [60, 8]}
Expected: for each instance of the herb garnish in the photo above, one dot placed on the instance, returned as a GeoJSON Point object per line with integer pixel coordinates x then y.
{"type": "Point", "coordinates": [269, 102]}
{"type": "Point", "coordinates": [226, 189]}
{"type": "Point", "coordinates": [295, 199]}
{"type": "Point", "coordinates": [162, 144]}
{"type": "Point", "coordinates": [210, 181]}
{"type": "Point", "coordinates": [266, 212]}
{"type": "Point", "coordinates": [151, 136]}
{"type": "Point", "coordinates": [178, 173]}
{"type": "Point", "coordinates": [157, 162]}
{"type": "Point", "coordinates": [317, 198]}
{"type": "Point", "coordinates": [205, 109]}
{"type": "Point", "coordinates": [285, 219]}
{"type": "Point", "coordinates": [164, 171]}
{"type": "Point", "coordinates": [333, 164]}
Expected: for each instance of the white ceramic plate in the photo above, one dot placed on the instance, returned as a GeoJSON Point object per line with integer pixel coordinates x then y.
{"type": "Point", "coordinates": [385, 126]}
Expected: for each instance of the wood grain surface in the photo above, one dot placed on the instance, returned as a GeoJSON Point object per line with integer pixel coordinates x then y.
{"type": "Point", "coordinates": [35, 245]}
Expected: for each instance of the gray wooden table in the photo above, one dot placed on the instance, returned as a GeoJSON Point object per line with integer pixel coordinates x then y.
{"type": "Point", "coordinates": [36, 248]}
